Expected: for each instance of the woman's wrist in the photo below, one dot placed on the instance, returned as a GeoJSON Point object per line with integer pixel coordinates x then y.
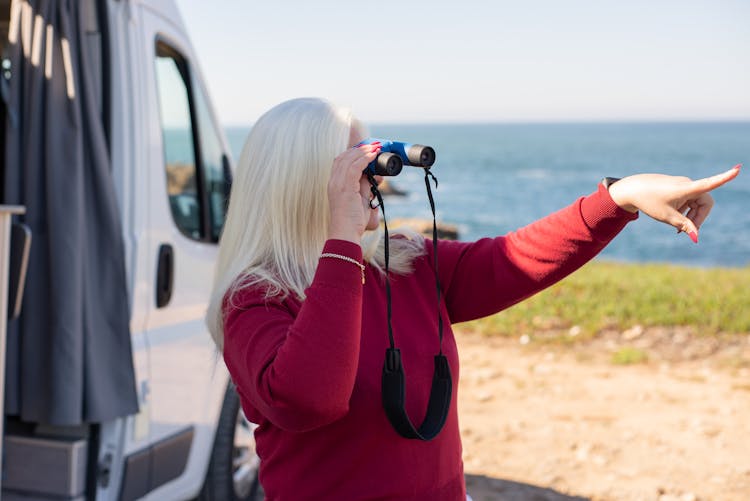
{"type": "Point", "coordinates": [344, 234]}
{"type": "Point", "coordinates": [618, 190]}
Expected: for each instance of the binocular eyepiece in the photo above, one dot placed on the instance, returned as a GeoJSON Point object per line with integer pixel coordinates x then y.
{"type": "Point", "coordinates": [395, 154]}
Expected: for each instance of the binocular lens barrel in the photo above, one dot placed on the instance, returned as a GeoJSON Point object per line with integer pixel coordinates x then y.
{"type": "Point", "coordinates": [396, 154]}
{"type": "Point", "coordinates": [420, 156]}
{"type": "Point", "coordinates": [388, 164]}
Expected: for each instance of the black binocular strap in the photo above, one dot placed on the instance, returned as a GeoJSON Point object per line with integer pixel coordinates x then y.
{"type": "Point", "coordinates": [394, 378]}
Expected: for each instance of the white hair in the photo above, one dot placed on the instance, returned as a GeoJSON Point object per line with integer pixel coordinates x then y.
{"type": "Point", "coordinates": [278, 215]}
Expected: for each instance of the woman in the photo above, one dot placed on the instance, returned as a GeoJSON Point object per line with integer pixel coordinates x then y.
{"type": "Point", "coordinates": [299, 304]}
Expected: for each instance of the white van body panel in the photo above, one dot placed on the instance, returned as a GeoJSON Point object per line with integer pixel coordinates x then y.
{"type": "Point", "coordinates": [181, 378]}
{"type": "Point", "coordinates": [187, 377]}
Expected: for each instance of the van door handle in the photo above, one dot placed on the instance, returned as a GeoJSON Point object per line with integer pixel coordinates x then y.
{"type": "Point", "coordinates": [164, 275]}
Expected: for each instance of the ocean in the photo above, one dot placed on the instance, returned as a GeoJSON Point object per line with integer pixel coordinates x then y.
{"type": "Point", "coordinates": [494, 178]}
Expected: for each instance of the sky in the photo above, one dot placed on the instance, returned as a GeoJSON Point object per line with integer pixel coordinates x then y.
{"type": "Point", "coordinates": [478, 60]}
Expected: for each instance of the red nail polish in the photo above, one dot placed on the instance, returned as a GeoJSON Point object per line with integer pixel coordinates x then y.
{"type": "Point", "coordinates": [737, 167]}
{"type": "Point", "coordinates": [694, 236]}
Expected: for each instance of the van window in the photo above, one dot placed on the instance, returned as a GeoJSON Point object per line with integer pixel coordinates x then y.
{"type": "Point", "coordinates": [197, 168]}
{"type": "Point", "coordinates": [179, 149]}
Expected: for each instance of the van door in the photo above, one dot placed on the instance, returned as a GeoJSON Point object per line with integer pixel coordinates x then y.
{"type": "Point", "coordinates": [187, 181]}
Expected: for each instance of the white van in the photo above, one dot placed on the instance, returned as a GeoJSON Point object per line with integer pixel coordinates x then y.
{"type": "Point", "coordinates": [169, 173]}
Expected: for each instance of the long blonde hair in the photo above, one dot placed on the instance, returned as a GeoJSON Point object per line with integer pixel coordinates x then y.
{"type": "Point", "coordinates": [278, 214]}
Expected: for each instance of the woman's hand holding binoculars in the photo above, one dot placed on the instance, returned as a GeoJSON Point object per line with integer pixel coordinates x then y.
{"type": "Point", "coordinates": [349, 194]}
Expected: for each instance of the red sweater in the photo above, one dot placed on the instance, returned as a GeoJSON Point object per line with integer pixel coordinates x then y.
{"type": "Point", "coordinates": [309, 372]}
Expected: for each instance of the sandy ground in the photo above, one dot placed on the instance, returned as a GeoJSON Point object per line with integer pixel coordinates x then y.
{"type": "Point", "coordinates": [560, 423]}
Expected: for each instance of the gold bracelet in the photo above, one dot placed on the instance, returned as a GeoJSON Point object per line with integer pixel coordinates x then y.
{"type": "Point", "coordinates": [348, 260]}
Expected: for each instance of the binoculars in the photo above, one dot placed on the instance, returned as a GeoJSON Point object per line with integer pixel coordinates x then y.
{"type": "Point", "coordinates": [395, 154]}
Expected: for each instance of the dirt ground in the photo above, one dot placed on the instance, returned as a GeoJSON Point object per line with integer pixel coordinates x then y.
{"type": "Point", "coordinates": [545, 422]}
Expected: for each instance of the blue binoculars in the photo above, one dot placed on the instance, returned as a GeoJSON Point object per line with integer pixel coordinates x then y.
{"type": "Point", "coordinates": [395, 154]}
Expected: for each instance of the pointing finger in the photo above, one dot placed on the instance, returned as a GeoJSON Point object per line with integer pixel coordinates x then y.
{"type": "Point", "coordinates": [711, 183]}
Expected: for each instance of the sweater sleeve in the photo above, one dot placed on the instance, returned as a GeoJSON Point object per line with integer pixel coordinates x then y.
{"type": "Point", "coordinates": [484, 277]}
{"type": "Point", "coordinates": [298, 371]}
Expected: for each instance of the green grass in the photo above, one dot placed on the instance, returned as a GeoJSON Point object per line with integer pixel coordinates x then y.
{"type": "Point", "coordinates": [628, 355]}
{"type": "Point", "coordinates": [603, 296]}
